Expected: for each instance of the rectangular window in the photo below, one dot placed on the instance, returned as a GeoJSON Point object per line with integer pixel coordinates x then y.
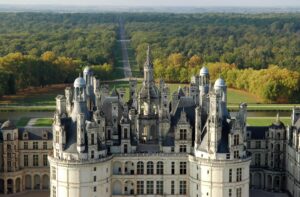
{"type": "Point", "coordinates": [182, 167]}
{"type": "Point", "coordinates": [53, 173]}
{"type": "Point", "coordinates": [140, 187]}
{"type": "Point", "coordinates": [257, 159]}
{"type": "Point", "coordinates": [182, 148]}
{"type": "Point", "coordinates": [236, 154]}
{"type": "Point", "coordinates": [25, 160]}
{"type": "Point", "coordinates": [230, 192]}
{"type": "Point", "coordinates": [230, 175]}
{"type": "Point", "coordinates": [95, 189]}
{"type": "Point", "coordinates": [173, 167]}
{"type": "Point", "coordinates": [45, 145]}
{"type": "Point", "coordinates": [25, 145]}
{"type": "Point", "coordinates": [257, 144]}
{"type": "Point", "coordinates": [183, 134]}
{"type": "Point", "coordinates": [92, 139]}
{"type": "Point", "coordinates": [95, 178]}
{"type": "Point", "coordinates": [159, 187]}
{"type": "Point", "coordinates": [53, 191]}
{"type": "Point", "coordinates": [150, 187]}
{"type": "Point", "coordinates": [35, 145]}
{"type": "Point", "coordinates": [45, 160]}
{"type": "Point", "coordinates": [236, 140]}
{"type": "Point", "coordinates": [35, 160]}
{"type": "Point", "coordinates": [239, 174]}
{"type": "Point", "coordinates": [239, 192]}
{"type": "Point", "coordinates": [182, 187]}
{"type": "Point", "coordinates": [172, 187]}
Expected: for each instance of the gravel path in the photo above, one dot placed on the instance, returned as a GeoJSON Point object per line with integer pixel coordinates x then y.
{"type": "Point", "coordinates": [126, 64]}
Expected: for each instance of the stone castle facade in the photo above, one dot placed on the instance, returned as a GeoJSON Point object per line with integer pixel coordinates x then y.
{"type": "Point", "coordinates": [156, 144]}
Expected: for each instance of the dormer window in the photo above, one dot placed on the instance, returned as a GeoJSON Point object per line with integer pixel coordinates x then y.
{"type": "Point", "coordinates": [25, 135]}
{"type": "Point", "coordinates": [45, 136]}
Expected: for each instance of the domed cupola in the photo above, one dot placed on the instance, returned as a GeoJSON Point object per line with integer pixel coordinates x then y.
{"type": "Point", "coordinates": [219, 84]}
{"type": "Point", "coordinates": [204, 71]}
{"type": "Point", "coordinates": [79, 83]}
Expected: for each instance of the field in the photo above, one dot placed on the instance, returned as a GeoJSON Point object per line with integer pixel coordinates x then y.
{"type": "Point", "coordinates": [266, 121]}
{"type": "Point", "coordinates": [42, 122]}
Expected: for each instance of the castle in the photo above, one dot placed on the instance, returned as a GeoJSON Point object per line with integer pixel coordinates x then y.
{"type": "Point", "coordinates": [184, 144]}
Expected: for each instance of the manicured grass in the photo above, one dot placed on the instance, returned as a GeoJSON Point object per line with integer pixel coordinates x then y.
{"type": "Point", "coordinates": [266, 121]}
{"type": "Point", "coordinates": [43, 122]}
{"type": "Point", "coordinates": [118, 72]}
{"type": "Point", "coordinates": [37, 96]}
{"type": "Point", "coordinates": [266, 107]}
{"type": "Point", "coordinates": [237, 96]}
{"type": "Point", "coordinates": [22, 122]}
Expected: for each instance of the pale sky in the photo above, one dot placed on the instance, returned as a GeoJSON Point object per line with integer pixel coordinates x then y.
{"type": "Point", "coordinates": [198, 3]}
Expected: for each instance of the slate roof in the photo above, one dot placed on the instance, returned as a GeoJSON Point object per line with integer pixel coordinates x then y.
{"type": "Point", "coordinates": [258, 133]}
{"type": "Point", "coordinates": [36, 133]}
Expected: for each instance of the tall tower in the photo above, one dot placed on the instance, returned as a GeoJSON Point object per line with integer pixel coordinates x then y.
{"type": "Point", "coordinates": [220, 165]}
{"type": "Point", "coordinates": [148, 106]}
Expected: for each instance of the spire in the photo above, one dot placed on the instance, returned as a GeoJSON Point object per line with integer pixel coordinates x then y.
{"type": "Point", "coordinates": [277, 118]}
{"type": "Point", "coordinates": [148, 62]}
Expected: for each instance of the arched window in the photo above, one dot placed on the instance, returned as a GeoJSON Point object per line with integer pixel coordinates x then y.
{"type": "Point", "coordinates": [160, 167]}
{"type": "Point", "coordinates": [150, 167]}
{"type": "Point", "coordinates": [92, 154]}
{"type": "Point", "coordinates": [140, 167]}
{"type": "Point", "coordinates": [8, 136]}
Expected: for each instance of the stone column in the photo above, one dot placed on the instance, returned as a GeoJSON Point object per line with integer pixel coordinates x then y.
{"type": "Point", "coordinates": [5, 186]}
{"type": "Point", "coordinates": [14, 185]}
{"type": "Point", "coordinates": [32, 183]}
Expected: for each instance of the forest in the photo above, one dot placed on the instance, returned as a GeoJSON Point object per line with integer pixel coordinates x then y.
{"type": "Point", "coordinates": [38, 49]}
{"type": "Point", "coordinates": [263, 50]}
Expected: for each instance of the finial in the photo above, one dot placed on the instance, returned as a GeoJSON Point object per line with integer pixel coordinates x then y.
{"type": "Point", "coordinates": [277, 117]}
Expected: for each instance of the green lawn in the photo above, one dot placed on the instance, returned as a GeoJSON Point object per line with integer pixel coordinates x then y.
{"type": "Point", "coordinates": [266, 121]}
{"type": "Point", "coordinates": [22, 122]}
{"type": "Point", "coordinates": [118, 72]}
{"type": "Point", "coordinates": [43, 122]}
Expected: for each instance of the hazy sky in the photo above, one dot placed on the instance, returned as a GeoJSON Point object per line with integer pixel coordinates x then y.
{"type": "Point", "coordinates": [198, 3]}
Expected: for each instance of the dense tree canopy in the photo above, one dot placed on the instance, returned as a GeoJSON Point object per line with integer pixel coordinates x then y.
{"type": "Point", "coordinates": [248, 41]}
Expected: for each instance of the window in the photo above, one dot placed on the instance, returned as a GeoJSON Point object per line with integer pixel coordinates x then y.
{"type": "Point", "coordinates": [8, 137]}
{"type": "Point", "coordinates": [53, 191]}
{"type": "Point", "coordinates": [95, 178]}
{"type": "Point", "coordinates": [239, 174]}
{"type": "Point", "coordinates": [25, 160]}
{"type": "Point", "coordinates": [182, 187]}
{"type": "Point", "coordinates": [257, 159]}
{"type": "Point", "coordinates": [172, 149]}
{"type": "Point", "coordinates": [95, 189]}
{"type": "Point", "coordinates": [172, 187]}
{"type": "Point", "coordinates": [183, 134]}
{"type": "Point", "coordinates": [160, 167]}
{"type": "Point", "coordinates": [45, 160]}
{"type": "Point", "coordinates": [239, 192]}
{"type": "Point", "coordinates": [182, 167]}
{"type": "Point", "coordinates": [25, 145]}
{"type": "Point", "coordinates": [53, 173]}
{"type": "Point", "coordinates": [95, 169]}
{"type": "Point", "coordinates": [236, 154]}
{"type": "Point", "coordinates": [57, 137]}
{"type": "Point", "coordinates": [236, 140]}
{"type": "Point", "coordinates": [92, 154]}
{"type": "Point", "coordinates": [140, 187]}
{"type": "Point", "coordinates": [150, 167]}
{"type": "Point", "coordinates": [182, 148]}
{"type": "Point", "coordinates": [173, 167]}
{"type": "Point", "coordinates": [125, 148]}
{"type": "Point", "coordinates": [140, 167]}
{"type": "Point", "coordinates": [257, 144]}
{"type": "Point", "coordinates": [230, 192]}
{"type": "Point", "coordinates": [150, 187]}
{"type": "Point", "coordinates": [230, 175]}
{"type": "Point", "coordinates": [125, 133]}
{"type": "Point", "coordinates": [45, 145]}
{"type": "Point", "coordinates": [35, 145]}
{"type": "Point", "coordinates": [92, 139]}
{"type": "Point", "coordinates": [35, 160]}
{"type": "Point", "coordinates": [159, 187]}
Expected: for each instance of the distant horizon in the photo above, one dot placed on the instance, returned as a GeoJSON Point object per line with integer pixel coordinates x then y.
{"type": "Point", "coordinates": [157, 3]}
